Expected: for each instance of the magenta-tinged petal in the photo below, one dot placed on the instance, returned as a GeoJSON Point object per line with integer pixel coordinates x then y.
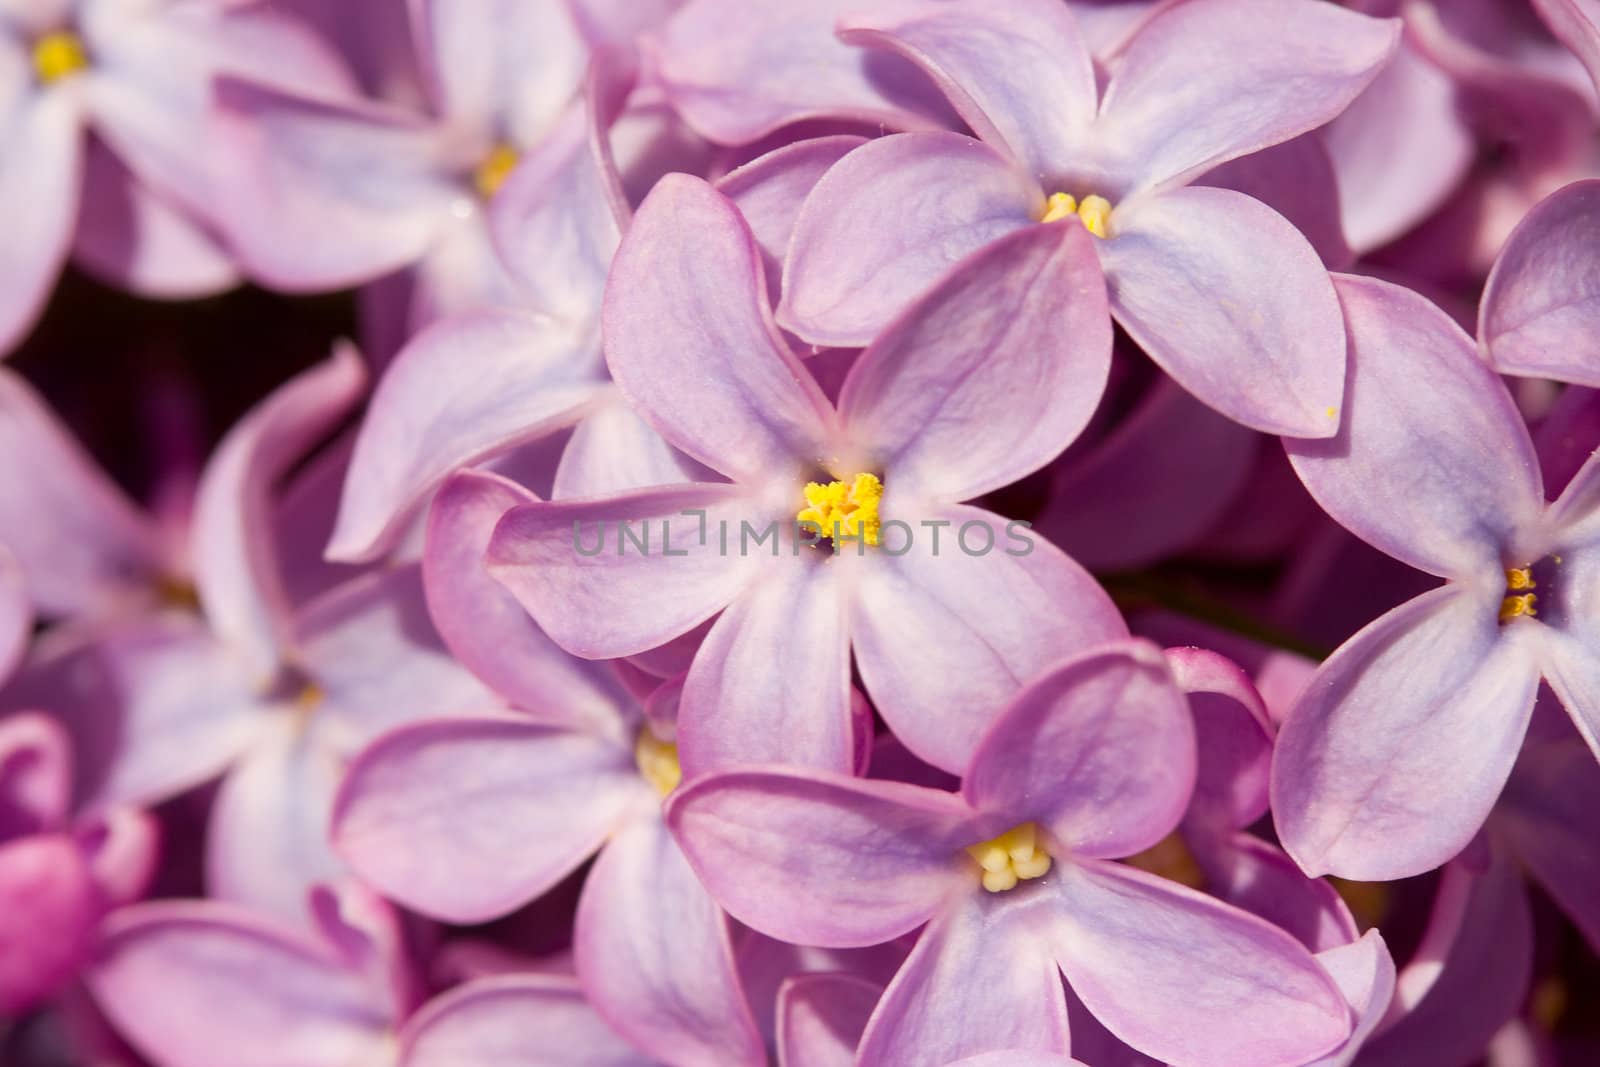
{"type": "Point", "coordinates": [980, 979]}
{"type": "Point", "coordinates": [822, 859]}
{"type": "Point", "coordinates": [522, 1020]}
{"type": "Point", "coordinates": [41, 150]}
{"type": "Point", "coordinates": [737, 70]}
{"type": "Point", "coordinates": [1364, 972]}
{"type": "Point", "coordinates": [1540, 314]}
{"type": "Point", "coordinates": [1233, 302]}
{"type": "Point", "coordinates": [48, 909]}
{"type": "Point", "coordinates": [622, 575]}
{"type": "Point", "coordinates": [1233, 734]}
{"type": "Point", "coordinates": [122, 847]}
{"type": "Point", "coordinates": [1295, 179]}
{"type": "Point", "coordinates": [1248, 873]}
{"type": "Point", "coordinates": [1577, 24]}
{"type": "Point", "coordinates": [79, 540]}
{"type": "Point", "coordinates": [687, 302]}
{"type": "Point", "coordinates": [771, 681]}
{"type": "Point", "coordinates": [612, 450]}
{"type": "Point", "coordinates": [322, 195]}
{"type": "Point", "coordinates": [1438, 478]}
{"type": "Point", "coordinates": [1016, 1058]}
{"type": "Point", "coordinates": [991, 374]}
{"type": "Point", "coordinates": [483, 625]}
{"type": "Point", "coordinates": [1546, 818]}
{"type": "Point", "coordinates": [653, 953]}
{"type": "Point", "coordinates": [35, 774]}
{"type": "Point", "coordinates": [1099, 751]}
{"type": "Point", "coordinates": [1402, 740]}
{"type": "Point", "coordinates": [1187, 979]}
{"type": "Point", "coordinates": [949, 630]}
{"type": "Point", "coordinates": [235, 563]}
{"type": "Point", "coordinates": [929, 199]}
{"type": "Point", "coordinates": [465, 390]}
{"type": "Point", "coordinates": [465, 819]}
{"type": "Point", "coordinates": [768, 192]}
{"type": "Point", "coordinates": [1018, 73]}
{"type": "Point", "coordinates": [820, 1018]}
{"type": "Point", "coordinates": [1172, 111]}
{"type": "Point", "coordinates": [504, 67]}
{"type": "Point", "coordinates": [202, 984]}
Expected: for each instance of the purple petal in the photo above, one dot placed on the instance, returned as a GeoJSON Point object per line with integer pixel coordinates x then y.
{"type": "Point", "coordinates": [1438, 478]}
{"type": "Point", "coordinates": [1232, 301]}
{"type": "Point", "coordinates": [201, 984]}
{"type": "Point", "coordinates": [16, 612]}
{"type": "Point", "coordinates": [465, 819]}
{"type": "Point", "coordinates": [1175, 112]}
{"type": "Point", "coordinates": [600, 596]}
{"type": "Point", "coordinates": [522, 1020]}
{"type": "Point", "coordinates": [1249, 873]}
{"type": "Point", "coordinates": [1295, 179]}
{"type": "Point", "coordinates": [1577, 24]}
{"type": "Point", "coordinates": [1100, 751]}
{"type": "Point", "coordinates": [652, 950]}
{"type": "Point", "coordinates": [483, 625]}
{"type": "Point", "coordinates": [822, 859]}
{"type": "Point", "coordinates": [41, 150]}
{"type": "Point", "coordinates": [612, 450]}
{"type": "Point", "coordinates": [1365, 974]}
{"type": "Point", "coordinates": [990, 375]}
{"type": "Point", "coordinates": [235, 563]}
{"type": "Point", "coordinates": [821, 1017]}
{"type": "Point", "coordinates": [463, 391]}
{"type": "Point", "coordinates": [1540, 313]}
{"type": "Point", "coordinates": [788, 634]}
{"type": "Point", "coordinates": [35, 774]}
{"type": "Point", "coordinates": [980, 979]}
{"type": "Point", "coordinates": [1233, 732]}
{"type": "Point", "coordinates": [48, 910]}
{"type": "Point", "coordinates": [1402, 740]}
{"type": "Point", "coordinates": [1187, 979]}
{"type": "Point", "coordinates": [929, 199]}
{"type": "Point", "coordinates": [1546, 817]}
{"type": "Point", "coordinates": [687, 302]}
{"type": "Point", "coordinates": [80, 541]}
{"type": "Point", "coordinates": [1018, 73]}
{"type": "Point", "coordinates": [944, 635]}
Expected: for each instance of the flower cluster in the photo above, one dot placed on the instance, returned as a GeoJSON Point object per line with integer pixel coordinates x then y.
{"type": "Point", "coordinates": [734, 533]}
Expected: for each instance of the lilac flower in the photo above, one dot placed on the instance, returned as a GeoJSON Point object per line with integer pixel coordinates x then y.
{"type": "Point", "coordinates": [58, 875]}
{"type": "Point", "coordinates": [583, 771]}
{"type": "Point", "coordinates": [133, 202]}
{"type": "Point", "coordinates": [1094, 760]}
{"type": "Point", "coordinates": [1577, 24]}
{"type": "Point", "coordinates": [1394, 755]}
{"type": "Point", "coordinates": [960, 396]}
{"type": "Point", "coordinates": [1182, 261]}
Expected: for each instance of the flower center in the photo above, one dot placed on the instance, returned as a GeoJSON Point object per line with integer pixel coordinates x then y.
{"type": "Point", "coordinates": [1014, 856]}
{"type": "Point", "coordinates": [1093, 211]}
{"type": "Point", "coordinates": [495, 168]}
{"type": "Point", "coordinates": [1518, 601]}
{"type": "Point", "coordinates": [844, 511]}
{"type": "Point", "coordinates": [657, 761]}
{"type": "Point", "coordinates": [58, 54]}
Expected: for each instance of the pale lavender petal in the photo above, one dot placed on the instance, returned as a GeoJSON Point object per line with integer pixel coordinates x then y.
{"type": "Point", "coordinates": [483, 625]}
{"type": "Point", "coordinates": [1568, 658]}
{"type": "Point", "coordinates": [991, 374]}
{"type": "Point", "coordinates": [929, 199]}
{"type": "Point", "coordinates": [687, 302]}
{"type": "Point", "coordinates": [1229, 298]}
{"type": "Point", "coordinates": [1402, 740]}
{"type": "Point", "coordinates": [1364, 972]}
{"type": "Point", "coordinates": [980, 979]}
{"type": "Point", "coordinates": [522, 1020]}
{"type": "Point", "coordinates": [1185, 978]}
{"type": "Point", "coordinates": [602, 596]}
{"type": "Point", "coordinates": [653, 953]}
{"type": "Point", "coordinates": [1438, 478]}
{"type": "Point", "coordinates": [463, 391]}
{"type": "Point", "coordinates": [1540, 314]}
{"type": "Point", "coordinates": [1172, 111]}
{"type": "Point", "coordinates": [235, 563]}
{"type": "Point", "coordinates": [822, 859]}
{"type": "Point", "coordinates": [612, 450]}
{"type": "Point", "coordinates": [787, 635]}
{"type": "Point", "coordinates": [1099, 751]}
{"type": "Point", "coordinates": [821, 1017]}
{"type": "Point", "coordinates": [1295, 179]}
{"type": "Point", "coordinates": [202, 984]}
{"type": "Point", "coordinates": [1018, 73]}
{"type": "Point", "coordinates": [948, 631]}
{"type": "Point", "coordinates": [80, 541]}
{"type": "Point", "coordinates": [41, 149]}
{"type": "Point", "coordinates": [465, 819]}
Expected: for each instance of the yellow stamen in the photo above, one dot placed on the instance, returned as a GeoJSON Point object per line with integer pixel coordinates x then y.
{"type": "Point", "coordinates": [851, 509]}
{"type": "Point", "coordinates": [495, 169]}
{"type": "Point", "coordinates": [58, 54]}
{"type": "Point", "coordinates": [1171, 859]}
{"type": "Point", "coordinates": [1093, 211]}
{"type": "Point", "coordinates": [1016, 855]}
{"type": "Point", "coordinates": [1060, 206]}
{"type": "Point", "coordinates": [657, 761]}
{"type": "Point", "coordinates": [1520, 578]}
{"type": "Point", "coordinates": [1518, 603]}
